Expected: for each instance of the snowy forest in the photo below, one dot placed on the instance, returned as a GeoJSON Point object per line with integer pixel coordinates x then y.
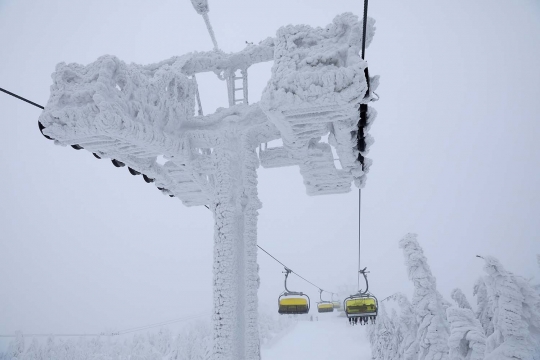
{"type": "Point", "coordinates": [504, 324]}
{"type": "Point", "coordinates": [194, 342]}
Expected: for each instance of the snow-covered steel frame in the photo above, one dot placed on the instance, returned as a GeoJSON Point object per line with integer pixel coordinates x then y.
{"type": "Point", "coordinates": [133, 114]}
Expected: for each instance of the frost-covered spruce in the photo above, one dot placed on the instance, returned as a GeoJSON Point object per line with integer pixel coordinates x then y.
{"type": "Point", "coordinates": [484, 308]}
{"type": "Point", "coordinates": [516, 315]}
{"type": "Point", "coordinates": [397, 339]}
{"type": "Point", "coordinates": [459, 297]}
{"type": "Point", "coordinates": [433, 331]}
{"type": "Point", "coordinates": [16, 348]}
{"type": "Point", "coordinates": [383, 337]}
{"type": "Point", "coordinates": [467, 340]}
{"type": "Point", "coordinates": [408, 346]}
{"type": "Point", "coordinates": [537, 286]}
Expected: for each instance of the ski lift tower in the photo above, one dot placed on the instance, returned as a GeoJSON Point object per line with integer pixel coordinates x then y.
{"type": "Point", "coordinates": [132, 114]}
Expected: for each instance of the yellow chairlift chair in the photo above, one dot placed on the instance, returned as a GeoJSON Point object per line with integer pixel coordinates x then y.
{"type": "Point", "coordinates": [324, 306]}
{"type": "Point", "coordinates": [292, 302]}
{"type": "Point", "coordinates": [361, 306]}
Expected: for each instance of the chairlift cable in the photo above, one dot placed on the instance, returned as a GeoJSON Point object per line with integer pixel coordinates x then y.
{"type": "Point", "coordinates": [45, 335]}
{"type": "Point", "coordinates": [21, 98]}
{"type": "Point", "coordinates": [364, 29]}
{"type": "Point", "coordinates": [286, 267]}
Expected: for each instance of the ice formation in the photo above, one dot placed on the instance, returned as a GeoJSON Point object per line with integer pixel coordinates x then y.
{"type": "Point", "coordinates": [133, 114]}
{"type": "Point", "coordinates": [484, 306]}
{"type": "Point", "coordinates": [459, 297]}
{"type": "Point", "coordinates": [433, 332]}
{"type": "Point", "coordinates": [384, 337]}
{"type": "Point", "coordinates": [317, 82]}
{"type": "Point", "coordinates": [467, 340]}
{"type": "Point", "coordinates": [408, 348]}
{"type": "Point", "coordinates": [516, 315]}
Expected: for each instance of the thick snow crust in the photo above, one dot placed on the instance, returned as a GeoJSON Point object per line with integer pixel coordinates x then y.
{"type": "Point", "coordinates": [317, 84]}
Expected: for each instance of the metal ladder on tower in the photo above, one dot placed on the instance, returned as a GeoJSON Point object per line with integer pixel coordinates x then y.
{"type": "Point", "coordinates": [237, 83]}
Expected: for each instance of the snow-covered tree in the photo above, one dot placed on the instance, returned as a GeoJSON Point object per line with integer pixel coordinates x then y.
{"type": "Point", "coordinates": [516, 314]}
{"type": "Point", "coordinates": [433, 331]}
{"type": "Point", "coordinates": [537, 286]}
{"type": "Point", "coordinates": [484, 308]}
{"type": "Point", "coordinates": [408, 347]}
{"type": "Point", "coordinates": [383, 337]}
{"type": "Point", "coordinates": [467, 340]}
{"type": "Point", "coordinates": [459, 297]}
{"type": "Point", "coordinates": [33, 352]}
{"type": "Point", "coordinates": [16, 348]}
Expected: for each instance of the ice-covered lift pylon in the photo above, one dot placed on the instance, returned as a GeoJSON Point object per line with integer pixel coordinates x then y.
{"type": "Point", "coordinates": [133, 114]}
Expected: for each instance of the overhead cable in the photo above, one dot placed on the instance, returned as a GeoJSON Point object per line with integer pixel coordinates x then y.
{"type": "Point", "coordinates": [300, 276]}
{"type": "Point", "coordinates": [53, 335]}
{"type": "Point", "coordinates": [364, 29]}
{"type": "Point", "coordinates": [21, 98]}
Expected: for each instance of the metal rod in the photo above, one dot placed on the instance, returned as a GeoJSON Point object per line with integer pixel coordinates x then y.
{"type": "Point", "coordinates": [210, 30]}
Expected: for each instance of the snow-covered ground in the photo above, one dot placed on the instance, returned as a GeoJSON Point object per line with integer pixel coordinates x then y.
{"type": "Point", "coordinates": [330, 338]}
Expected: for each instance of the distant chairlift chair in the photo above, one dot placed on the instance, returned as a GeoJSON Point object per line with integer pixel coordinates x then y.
{"type": "Point", "coordinates": [336, 303]}
{"type": "Point", "coordinates": [324, 306]}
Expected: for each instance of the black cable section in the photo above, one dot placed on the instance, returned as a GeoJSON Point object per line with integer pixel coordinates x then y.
{"type": "Point", "coordinates": [364, 30]}
{"type": "Point", "coordinates": [21, 98]}
{"type": "Point", "coordinates": [295, 273]}
{"type": "Point", "coordinates": [80, 335]}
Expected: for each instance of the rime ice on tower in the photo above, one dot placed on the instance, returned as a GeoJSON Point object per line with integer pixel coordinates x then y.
{"type": "Point", "coordinates": [317, 84]}
{"type": "Point", "coordinates": [133, 114]}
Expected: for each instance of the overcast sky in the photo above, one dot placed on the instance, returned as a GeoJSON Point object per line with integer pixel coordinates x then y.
{"type": "Point", "coordinates": [86, 247]}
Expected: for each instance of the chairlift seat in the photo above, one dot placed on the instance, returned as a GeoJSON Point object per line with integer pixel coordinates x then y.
{"type": "Point", "coordinates": [325, 307]}
{"type": "Point", "coordinates": [293, 305]}
{"type": "Point", "coordinates": [361, 307]}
